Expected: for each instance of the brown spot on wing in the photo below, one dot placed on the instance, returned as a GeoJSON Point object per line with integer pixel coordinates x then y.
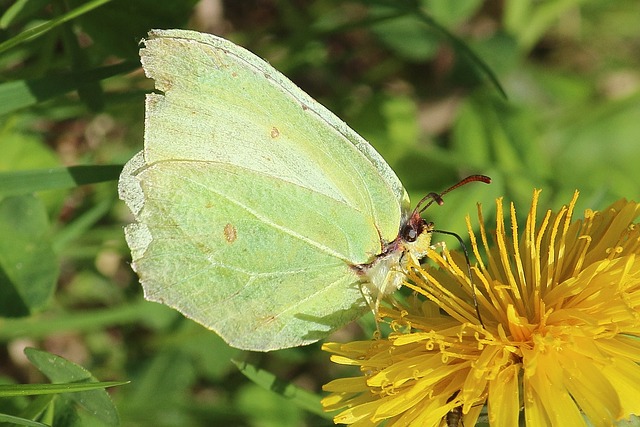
{"type": "Point", "coordinates": [230, 233]}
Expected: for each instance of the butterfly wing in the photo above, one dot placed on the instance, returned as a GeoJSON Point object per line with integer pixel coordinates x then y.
{"type": "Point", "coordinates": [251, 200]}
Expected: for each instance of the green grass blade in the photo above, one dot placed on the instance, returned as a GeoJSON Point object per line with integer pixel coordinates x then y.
{"type": "Point", "coordinates": [38, 408]}
{"type": "Point", "coordinates": [81, 225]}
{"type": "Point", "coordinates": [39, 326]}
{"type": "Point", "coordinates": [37, 389]}
{"type": "Point", "coordinates": [19, 94]}
{"type": "Point", "coordinates": [5, 418]}
{"type": "Point", "coordinates": [463, 47]}
{"type": "Point", "coordinates": [300, 397]}
{"type": "Point", "coordinates": [29, 181]}
{"type": "Point", "coordinates": [19, 11]}
{"type": "Point", "coordinates": [43, 28]}
{"type": "Point", "coordinates": [94, 405]}
{"type": "Point", "coordinates": [414, 8]}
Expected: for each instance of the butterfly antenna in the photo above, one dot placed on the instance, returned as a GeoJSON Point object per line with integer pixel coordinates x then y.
{"type": "Point", "coordinates": [466, 258]}
{"type": "Point", "coordinates": [437, 197]}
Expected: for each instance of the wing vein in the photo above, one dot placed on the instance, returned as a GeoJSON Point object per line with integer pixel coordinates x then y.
{"type": "Point", "coordinates": [271, 223]}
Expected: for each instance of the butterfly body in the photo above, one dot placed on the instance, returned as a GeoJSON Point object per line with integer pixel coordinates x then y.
{"type": "Point", "coordinates": [386, 272]}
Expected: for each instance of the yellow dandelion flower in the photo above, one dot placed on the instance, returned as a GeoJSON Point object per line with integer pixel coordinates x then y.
{"type": "Point", "coordinates": [557, 344]}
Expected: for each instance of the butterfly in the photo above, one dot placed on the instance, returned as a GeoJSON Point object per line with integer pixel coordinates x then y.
{"type": "Point", "coordinates": [259, 213]}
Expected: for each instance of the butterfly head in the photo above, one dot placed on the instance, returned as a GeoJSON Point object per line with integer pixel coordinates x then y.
{"type": "Point", "coordinates": [415, 235]}
{"type": "Point", "coordinates": [386, 272]}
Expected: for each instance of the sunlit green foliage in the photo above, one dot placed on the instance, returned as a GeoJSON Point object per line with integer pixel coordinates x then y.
{"type": "Point", "coordinates": [71, 94]}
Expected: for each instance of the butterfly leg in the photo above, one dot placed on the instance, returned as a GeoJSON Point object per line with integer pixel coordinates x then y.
{"type": "Point", "coordinates": [373, 295]}
{"type": "Point", "coordinates": [440, 246]}
{"type": "Point", "coordinates": [373, 304]}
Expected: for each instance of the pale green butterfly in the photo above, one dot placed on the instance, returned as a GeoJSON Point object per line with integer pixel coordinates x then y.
{"type": "Point", "coordinates": [259, 213]}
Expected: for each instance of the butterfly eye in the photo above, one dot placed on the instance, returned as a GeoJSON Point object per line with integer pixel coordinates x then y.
{"type": "Point", "coordinates": [409, 233]}
{"type": "Point", "coordinates": [412, 229]}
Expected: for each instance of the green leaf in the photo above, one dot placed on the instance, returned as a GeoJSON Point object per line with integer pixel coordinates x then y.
{"type": "Point", "coordinates": [208, 351]}
{"type": "Point", "coordinates": [39, 408]}
{"type": "Point", "coordinates": [22, 150]}
{"type": "Point", "coordinates": [452, 12]}
{"type": "Point", "coordinates": [96, 404]}
{"type": "Point", "coordinates": [19, 94]}
{"type": "Point", "coordinates": [530, 20]}
{"type": "Point", "coordinates": [289, 391]}
{"type": "Point", "coordinates": [602, 134]}
{"type": "Point", "coordinates": [5, 418]}
{"type": "Point", "coordinates": [406, 35]}
{"type": "Point", "coordinates": [266, 409]}
{"type": "Point", "coordinates": [470, 137]}
{"type": "Point", "coordinates": [28, 265]}
{"type": "Point", "coordinates": [391, 121]}
{"type": "Point", "coordinates": [163, 387]}
{"type": "Point", "coordinates": [20, 182]}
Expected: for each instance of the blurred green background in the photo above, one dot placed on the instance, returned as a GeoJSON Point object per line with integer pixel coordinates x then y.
{"type": "Point", "coordinates": [71, 93]}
